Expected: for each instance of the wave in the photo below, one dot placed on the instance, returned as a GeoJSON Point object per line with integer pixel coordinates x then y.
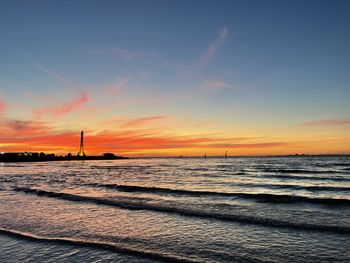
{"type": "Point", "coordinates": [272, 198]}
{"type": "Point", "coordinates": [340, 164]}
{"type": "Point", "coordinates": [196, 169]}
{"type": "Point", "coordinates": [299, 177]}
{"type": "Point", "coordinates": [12, 165]}
{"type": "Point", "coordinates": [300, 187]}
{"type": "Point", "coordinates": [100, 245]}
{"type": "Point", "coordinates": [326, 188]}
{"type": "Point", "coordinates": [298, 171]}
{"type": "Point", "coordinates": [188, 212]}
{"type": "Point", "coordinates": [218, 175]}
{"type": "Point", "coordinates": [123, 167]}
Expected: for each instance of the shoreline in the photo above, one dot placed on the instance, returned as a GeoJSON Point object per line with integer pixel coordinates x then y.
{"type": "Point", "coordinates": [243, 156]}
{"type": "Point", "coordinates": [48, 158]}
{"type": "Point", "coordinates": [57, 158]}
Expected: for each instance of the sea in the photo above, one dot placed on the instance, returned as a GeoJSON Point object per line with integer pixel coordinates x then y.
{"type": "Point", "coordinates": [239, 209]}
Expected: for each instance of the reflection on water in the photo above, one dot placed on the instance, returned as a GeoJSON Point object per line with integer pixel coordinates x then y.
{"type": "Point", "coordinates": [218, 210]}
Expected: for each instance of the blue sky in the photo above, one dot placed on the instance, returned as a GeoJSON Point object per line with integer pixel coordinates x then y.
{"type": "Point", "coordinates": [246, 64]}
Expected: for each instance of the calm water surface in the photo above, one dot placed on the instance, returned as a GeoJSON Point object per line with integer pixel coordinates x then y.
{"type": "Point", "coordinates": [294, 209]}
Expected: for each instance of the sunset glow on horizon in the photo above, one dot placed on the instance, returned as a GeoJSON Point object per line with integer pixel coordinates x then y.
{"type": "Point", "coordinates": [175, 78]}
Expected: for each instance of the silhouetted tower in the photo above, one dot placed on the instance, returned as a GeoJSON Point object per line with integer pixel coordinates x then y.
{"type": "Point", "coordinates": [205, 156]}
{"type": "Point", "coordinates": [226, 154]}
{"type": "Point", "coordinates": [81, 150]}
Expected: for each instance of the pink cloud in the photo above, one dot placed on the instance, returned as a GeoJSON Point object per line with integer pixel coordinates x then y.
{"type": "Point", "coordinates": [215, 84]}
{"type": "Point", "coordinates": [116, 86]}
{"type": "Point", "coordinates": [66, 107]}
{"type": "Point", "coordinates": [142, 121]}
{"type": "Point", "coordinates": [2, 106]}
{"type": "Point", "coordinates": [215, 46]}
{"type": "Point", "coordinates": [328, 122]}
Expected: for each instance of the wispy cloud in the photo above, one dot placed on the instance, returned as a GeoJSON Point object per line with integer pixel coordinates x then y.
{"type": "Point", "coordinates": [2, 106]}
{"type": "Point", "coordinates": [27, 128]}
{"type": "Point", "coordinates": [142, 121]}
{"type": "Point", "coordinates": [116, 86]}
{"type": "Point", "coordinates": [251, 145]}
{"type": "Point", "coordinates": [55, 75]}
{"type": "Point", "coordinates": [15, 130]}
{"type": "Point", "coordinates": [328, 122]}
{"type": "Point", "coordinates": [215, 84]}
{"type": "Point", "coordinates": [66, 107]}
{"type": "Point", "coordinates": [126, 54]}
{"type": "Point", "coordinates": [215, 46]}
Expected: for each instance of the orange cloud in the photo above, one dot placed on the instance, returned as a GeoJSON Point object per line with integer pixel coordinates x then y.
{"type": "Point", "coordinates": [142, 121]}
{"type": "Point", "coordinates": [13, 128]}
{"type": "Point", "coordinates": [328, 122]}
{"type": "Point", "coordinates": [251, 145]}
{"type": "Point", "coordinates": [39, 136]}
{"type": "Point", "coordinates": [65, 108]}
{"type": "Point", "coordinates": [125, 142]}
{"type": "Point", "coordinates": [27, 127]}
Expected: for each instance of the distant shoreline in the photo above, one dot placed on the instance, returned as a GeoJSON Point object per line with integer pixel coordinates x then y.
{"type": "Point", "coordinates": [52, 158]}
{"type": "Point", "coordinates": [245, 156]}
{"type": "Point", "coordinates": [14, 159]}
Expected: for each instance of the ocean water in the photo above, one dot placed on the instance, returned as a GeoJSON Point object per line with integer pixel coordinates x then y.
{"type": "Point", "coordinates": [266, 209]}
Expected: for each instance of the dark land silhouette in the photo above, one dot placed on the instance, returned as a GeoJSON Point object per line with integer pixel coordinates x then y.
{"type": "Point", "coordinates": [43, 157]}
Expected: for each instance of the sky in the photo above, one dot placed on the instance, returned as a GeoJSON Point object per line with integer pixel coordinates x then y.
{"type": "Point", "coordinates": [169, 78]}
